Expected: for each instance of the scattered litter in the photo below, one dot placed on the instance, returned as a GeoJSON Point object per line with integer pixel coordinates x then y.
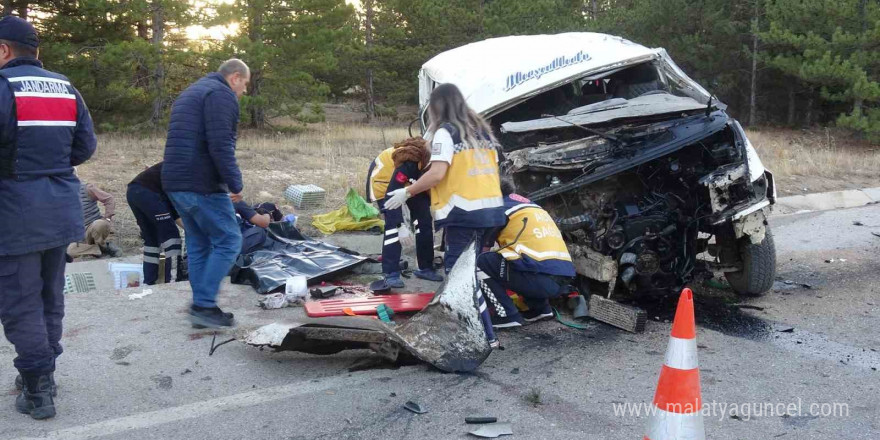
{"type": "Point", "coordinates": [493, 430]}
{"type": "Point", "coordinates": [143, 293]}
{"type": "Point", "coordinates": [876, 234]}
{"type": "Point", "coordinates": [414, 407]}
{"type": "Point", "coordinates": [127, 275]}
{"type": "Point", "coordinates": [385, 313]}
{"type": "Point", "coordinates": [790, 285]}
{"type": "Point", "coordinates": [480, 420]}
{"type": "Point", "coordinates": [296, 287]}
{"type": "Point", "coordinates": [324, 292]}
{"type": "Point", "coordinates": [215, 347]}
{"type": "Point", "coordinates": [858, 223]}
{"type": "Point", "coordinates": [748, 306]}
{"type": "Point", "coordinates": [832, 260]}
{"type": "Point", "coordinates": [274, 301]}
{"type": "Point", "coordinates": [187, 371]}
{"type": "Point", "coordinates": [788, 330]}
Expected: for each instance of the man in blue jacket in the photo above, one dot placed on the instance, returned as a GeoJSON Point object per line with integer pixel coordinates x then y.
{"type": "Point", "coordinates": [45, 130]}
{"type": "Point", "coordinates": [202, 179]}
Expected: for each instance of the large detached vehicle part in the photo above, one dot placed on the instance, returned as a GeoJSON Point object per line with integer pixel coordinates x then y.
{"type": "Point", "coordinates": [652, 183]}
{"type": "Point", "coordinates": [448, 333]}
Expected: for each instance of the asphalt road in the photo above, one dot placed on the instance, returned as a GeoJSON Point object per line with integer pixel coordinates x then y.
{"type": "Point", "coordinates": [135, 369]}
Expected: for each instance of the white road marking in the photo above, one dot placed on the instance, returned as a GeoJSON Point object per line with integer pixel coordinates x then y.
{"type": "Point", "coordinates": [197, 409]}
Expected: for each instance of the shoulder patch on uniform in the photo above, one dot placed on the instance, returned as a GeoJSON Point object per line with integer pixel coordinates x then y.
{"type": "Point", "coordinates": [436, 149]}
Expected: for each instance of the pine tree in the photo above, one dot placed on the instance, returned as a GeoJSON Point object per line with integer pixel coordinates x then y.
{"type": "Point", "coordinates": [291, 48]}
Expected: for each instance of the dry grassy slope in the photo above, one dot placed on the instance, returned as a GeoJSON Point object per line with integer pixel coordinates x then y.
{"type": "Point", "coordinates": [335, 156]}
{"type": "Point", "coordinates": [817, 160]}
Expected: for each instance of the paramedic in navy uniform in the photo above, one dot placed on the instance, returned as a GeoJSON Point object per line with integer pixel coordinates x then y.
{"type": "Point", "coordinates": [45, 130]}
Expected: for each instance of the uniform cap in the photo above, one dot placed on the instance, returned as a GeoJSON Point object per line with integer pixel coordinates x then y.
{"type": "Point", "coordinates": [18, 30]}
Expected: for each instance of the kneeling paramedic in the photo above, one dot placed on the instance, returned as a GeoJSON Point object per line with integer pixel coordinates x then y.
{"type": "Point", "coordinates": [158, 221]}
{"type": "Point", "coordinates": [393, 169]}
{"type": "Point", "coordinates": [45, 130]}
{"type": "Point", "coordinates": [532, 261]}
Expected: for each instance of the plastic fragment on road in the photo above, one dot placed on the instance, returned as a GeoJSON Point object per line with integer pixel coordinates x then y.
{"type": "Point", "coordinates": [414, 407]}
{"type": "Point", "coordinates": [143, 293]}
{"type": "Point", "coordinates": [493, 430]}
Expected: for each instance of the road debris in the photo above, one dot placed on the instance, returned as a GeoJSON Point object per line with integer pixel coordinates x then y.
{"type": "Point", "coordinates": [143, 293]}
{"type": "Point", "coordinates": [493, 430]}
{"type": "Point", "coordinates": [448, 333]}
{"type": "Point", "coordinates": [479, 420]}
{"type": "Point", "coordinates": [414, 407]}
{"type": "Point", "coordinates": [833, 260]}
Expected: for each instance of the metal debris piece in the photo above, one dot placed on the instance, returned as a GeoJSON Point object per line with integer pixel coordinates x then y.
{"type": "Point", "coordinates": [876, 234]}
{"type": "Point", "coordinates": [858, 223]}
{"type": "Point", "coordinates": [629, 318]}
{"type": "Point", "coordinates": [493, 430]}
{"type": "Point", "coordinates": [414, 407]}
{"type": "Point", "coordinates": [480, 420]}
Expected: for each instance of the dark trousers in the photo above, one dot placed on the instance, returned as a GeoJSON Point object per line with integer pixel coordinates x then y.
{"type": "Point", "coordinates": [32, 307]}
{"type": "Point", "coordinates": [422, 225]}
{"type": "Point", "coordinates": [153, 214]}
{"type": "Point", "coordinates": [458, 239]}
{"type": "Point", "coordinates": [253, 239]}
{"type": "Point", "coordinates": [498, 276]}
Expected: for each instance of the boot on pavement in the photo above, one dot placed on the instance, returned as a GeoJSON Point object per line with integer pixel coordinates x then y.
{"type": "Point", "coordinates": [19, 384]}
{"type": "Point", "coordinates": [36, 396]}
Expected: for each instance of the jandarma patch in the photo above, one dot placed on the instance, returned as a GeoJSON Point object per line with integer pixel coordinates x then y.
{"type": "Point", "coordinates": [558, 63]}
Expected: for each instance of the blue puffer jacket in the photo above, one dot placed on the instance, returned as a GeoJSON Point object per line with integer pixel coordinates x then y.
{"type": "Point", "coordinates": [200, 149]}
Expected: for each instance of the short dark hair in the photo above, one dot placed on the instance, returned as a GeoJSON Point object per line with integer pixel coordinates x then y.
{"type": "Point", "coordinates": [21, 50]}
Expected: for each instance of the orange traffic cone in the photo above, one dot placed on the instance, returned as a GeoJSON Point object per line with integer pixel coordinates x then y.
{"type": "Point", "coordinates": [676, 414]}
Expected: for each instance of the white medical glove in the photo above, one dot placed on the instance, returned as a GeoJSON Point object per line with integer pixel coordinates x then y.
{"type": "Point", "coordinates": [395, 199]}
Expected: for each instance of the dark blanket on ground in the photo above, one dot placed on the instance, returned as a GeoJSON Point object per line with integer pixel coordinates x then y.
{"type": "Point", "coordinates": [286, 253]}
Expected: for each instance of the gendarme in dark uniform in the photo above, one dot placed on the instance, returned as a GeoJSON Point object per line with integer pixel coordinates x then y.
{"type": "Point", "coordinates": [45, 130]}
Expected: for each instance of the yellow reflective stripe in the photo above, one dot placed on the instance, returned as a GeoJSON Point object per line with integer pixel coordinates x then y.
{"type": "Point", "coordinates": [540, 256]}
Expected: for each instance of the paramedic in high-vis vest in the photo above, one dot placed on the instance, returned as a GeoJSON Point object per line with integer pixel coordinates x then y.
{"type": "Point", "coordinates": [45, 131]}
{"type": "Point", "coordinates": [395, 168]}
{"type": "Point", "coordinates": [532, 261]}
{"type": "Point", "coordinates": [463, 176]}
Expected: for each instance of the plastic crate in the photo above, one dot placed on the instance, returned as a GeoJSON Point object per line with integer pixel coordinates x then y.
{"type": "Point", "coordinates": [305, 196]}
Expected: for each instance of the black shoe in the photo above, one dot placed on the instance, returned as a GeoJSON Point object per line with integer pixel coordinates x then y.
{"type": "Point", "coordinates": [538, 314]}
{"type": "Point", "coordinates": [110, 248]}
{"type": "Point", "coordinates": [19, 384]}
{"type": "Point", "coordinates": [210, 317]}
{"type": "Point", "coordinates": [36, 397]}
{"type": "Point", "coordinates": [507, 321]}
